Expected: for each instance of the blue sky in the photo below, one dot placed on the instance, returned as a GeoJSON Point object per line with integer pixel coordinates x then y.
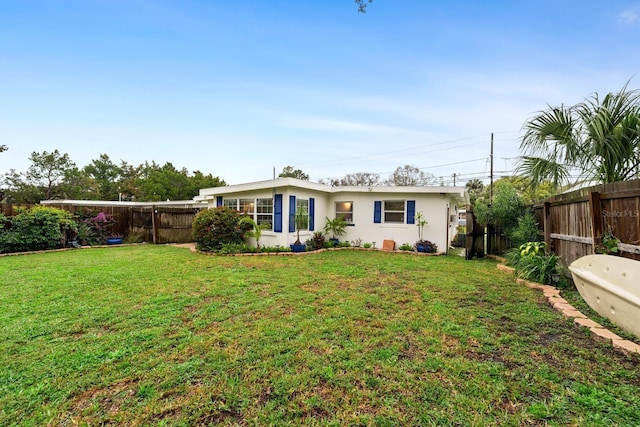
{"type": "Point", "coordinates": [236, 88]}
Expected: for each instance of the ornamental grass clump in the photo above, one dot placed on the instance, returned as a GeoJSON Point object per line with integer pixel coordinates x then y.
{"type": "Point", "coordinates": [532, 263]}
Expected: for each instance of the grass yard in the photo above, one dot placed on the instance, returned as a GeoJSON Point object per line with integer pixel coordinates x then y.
{"type": "Point", "coordinates": [157, 335]}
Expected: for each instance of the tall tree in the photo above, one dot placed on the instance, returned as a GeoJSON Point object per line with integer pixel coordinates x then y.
{"type": "Point", "coordinates": [291, 172]}
{"type": "Point", "coordinates": [199, 180]}
{"type": "Point", "coordinates": [599, 139]}
{"type": "Point", "coordinates": [47, 170]}
{"type": "Point", "coordinates": [17, 190]}
{"type": "Point", "coordinates": [129, 175]}
{"type": "Point", "coordinates": [78, 185]}
{"type": "Point", "coordinates": [107, 175]}
{"type": "Point", "coordinates": [408, 175]}
{"type": "Point", "coordinates": [474, 188]}
{"type": "Point", "coordinates": [165, 182]}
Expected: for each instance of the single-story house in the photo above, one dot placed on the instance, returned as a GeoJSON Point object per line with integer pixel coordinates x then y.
{"type": "Point", "coordinates": [373, 214]}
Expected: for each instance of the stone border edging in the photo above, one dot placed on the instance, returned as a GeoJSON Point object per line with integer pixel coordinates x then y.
{"type": "Point", "coordinates": [598, 332]}
{"type": "Point", "coordinates": [317, 251]}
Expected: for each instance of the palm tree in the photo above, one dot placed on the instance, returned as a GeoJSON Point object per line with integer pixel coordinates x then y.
{"type": "Point", "coordinates": [599, 140]}
{"type": "Point", "coordinates": [256, 229]}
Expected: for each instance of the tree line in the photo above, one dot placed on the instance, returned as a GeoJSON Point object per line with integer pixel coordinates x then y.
{"type": "Point", "coordinates": [406, 175]}
{"type": "Point", "coordinates": [53, 175]}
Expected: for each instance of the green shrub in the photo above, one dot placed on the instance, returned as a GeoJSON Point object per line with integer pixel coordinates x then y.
{"type": "Point", "coordinates": [367, 245]}
{"type": "Point", "coordinates": [406, 247]}
{"type": "Point", "coordinates": [213, 228]}
{"type": "Point", "coordinates": [525, 231]}
{"type": "Point", "coordinates": [538, 267]}
{"type": "Point", "coordinates": [531, 262]}
{"type": "Point", "coordinates": [38, 228]}
{"type": "Point", "coordinates": [317, 241]}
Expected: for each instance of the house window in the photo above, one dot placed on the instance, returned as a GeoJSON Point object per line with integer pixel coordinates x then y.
{"type": "Point", "coordinates": [246, 206]}
{"type": "Point", "coordinates": [394, 211]}
{"type": "Point", "coordinates": [345, 210]}
{"type": "Point", "coordinates": [261, 210]}
{"type": "Point", "coordinates": [264, 212]}
{"type": "Point", "coordinates": [302, 204]}
{"type": "Point", "coordinates": [231, 204]}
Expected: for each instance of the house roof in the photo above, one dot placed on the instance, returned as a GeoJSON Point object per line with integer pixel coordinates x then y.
{"type": "Point", "coordinates": [171, 203]}
{"type": "Point", "coordinates": [457, 193]}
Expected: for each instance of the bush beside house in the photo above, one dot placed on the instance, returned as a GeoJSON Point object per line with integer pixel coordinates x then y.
{"type": "Point", "coordinates": [35, 229]}
{"type": "Point", "coordinates": [214, 228]}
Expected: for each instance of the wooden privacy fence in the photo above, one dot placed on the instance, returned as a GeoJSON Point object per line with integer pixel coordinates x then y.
{"type": "Point", "coordinates": [481, 240]}
{"type": "Point", "coordinates": [573, 223]}
{"type": "Point", "coordinates": [163, 224]}
{"type": "Point", "coordinates": [155, 223]}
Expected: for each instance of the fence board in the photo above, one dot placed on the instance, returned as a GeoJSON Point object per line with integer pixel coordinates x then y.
{"type": "Point", "coordinates": [577, 220]}
{"type": "Point", "coordinates": [173, 222]}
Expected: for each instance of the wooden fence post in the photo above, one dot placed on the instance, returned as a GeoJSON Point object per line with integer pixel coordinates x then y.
{"type": "Point", "coordinates": [547, 225]}
{"type": "Point", "coordinates": [596, 218]}
{"type": "Point", "coordinates": [154, 224]}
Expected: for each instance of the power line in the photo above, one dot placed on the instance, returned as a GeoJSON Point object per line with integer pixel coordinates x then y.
{"type": "Point", "coordinates": [400, 151]}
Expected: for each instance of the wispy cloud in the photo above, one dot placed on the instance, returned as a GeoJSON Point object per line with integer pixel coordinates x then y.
{"type": "Point", "coordinates": [630, 16]}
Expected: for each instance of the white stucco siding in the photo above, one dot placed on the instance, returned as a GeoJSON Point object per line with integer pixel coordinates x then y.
{"type": "Point", "coordinates": [284, 238]}
{"type": "Point", "coordinates": [433, 207]}
{"type": "Point", "coordinates": [433, 202]}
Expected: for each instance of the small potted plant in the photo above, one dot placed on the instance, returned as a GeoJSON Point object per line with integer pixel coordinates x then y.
{"type": "Point", "coordinates": [301, 221]}
{"type": "Point", "coordinates": [426, 246]}
{"type": "Point", "coordinates": [335, 227]}
{"type": "Point", "coordinates": [422, 245]}
{"type": "Point", "coordinates": [256, 229]}
{"type": "Point", "coordinates": [317, 240]}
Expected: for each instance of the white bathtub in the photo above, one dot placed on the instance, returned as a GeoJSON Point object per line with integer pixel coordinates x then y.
{"type": "Point", "coordinates": [611, 286]}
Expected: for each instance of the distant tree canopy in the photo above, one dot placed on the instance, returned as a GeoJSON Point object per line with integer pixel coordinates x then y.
{"type": "Point", "coordinates": [409, 175]}
{"type": "Point", "coordinates": [406, 175]}
{"type": "Point", "coordinates": [357, 179]}
{"type": "Point", "coordinates": [55, 176]}
{"type": "Point", "coordinates": [521, 185]}
{"type": "Point", "coordinates": [290, 172]}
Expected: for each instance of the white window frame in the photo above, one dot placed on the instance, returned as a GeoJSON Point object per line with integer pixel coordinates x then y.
{"type": "Point", "coordinates": [390, 211]}
{"type": "Point", "coordinates": [264, 210]}
{"type": "Point", "coordinates": [346, 215]}
{"type": "Point", "coordinates": [305, 203]}
{"type": "Point", "coordinates": [250, 207]}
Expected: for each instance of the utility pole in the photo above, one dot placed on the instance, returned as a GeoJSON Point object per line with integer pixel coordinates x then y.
{"type": "Point", "coordinates": [454, 178]}
{"type": "Point", "coordinates": [491, 176]}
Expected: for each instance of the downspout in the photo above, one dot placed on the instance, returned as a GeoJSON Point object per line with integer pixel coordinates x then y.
{"type": "Point", "coordinates": [446, 242]}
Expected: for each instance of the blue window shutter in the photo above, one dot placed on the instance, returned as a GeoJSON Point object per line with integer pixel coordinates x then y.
{"type": "Point", "coordinates": [312, 206]}
{"type": "Point", "coordinates": [218, 201]}
{"type": "Point", "coordinates": [292, 214]}
{"type": "Point", "coordinates": [277, 213]}
{"type": "Point", "coordinates": [411, 211]}
{"type": "Point", "coordinates": [377, 212]}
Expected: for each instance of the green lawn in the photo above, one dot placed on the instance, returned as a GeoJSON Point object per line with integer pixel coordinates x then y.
{"type": "Point", "coordinates": [157, 335]}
